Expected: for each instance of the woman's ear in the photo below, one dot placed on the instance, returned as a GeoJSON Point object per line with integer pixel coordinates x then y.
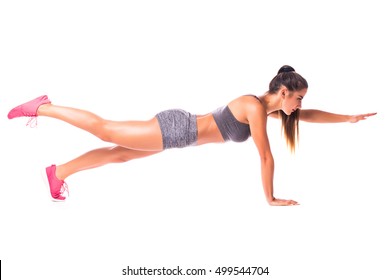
{"type": "Point", "coordinates": [283, 91]}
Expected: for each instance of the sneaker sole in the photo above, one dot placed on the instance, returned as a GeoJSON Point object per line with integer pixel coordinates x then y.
{"type": "Point", "coordinates": [47, 186]}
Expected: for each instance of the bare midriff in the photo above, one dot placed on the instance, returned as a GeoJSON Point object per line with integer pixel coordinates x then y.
{"type": "Point", "coordinates": [208, 131]}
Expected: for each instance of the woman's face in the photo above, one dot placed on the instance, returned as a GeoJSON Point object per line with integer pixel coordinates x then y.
{"type": "Point", "coordinates": [293, 101]}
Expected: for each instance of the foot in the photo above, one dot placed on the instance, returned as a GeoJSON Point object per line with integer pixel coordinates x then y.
{"type": "Point", "coordinates": [56, 187]}
{"type": "Point", "coordinates": [28, 109]}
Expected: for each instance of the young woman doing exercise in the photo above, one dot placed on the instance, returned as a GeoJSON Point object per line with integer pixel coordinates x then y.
{"type": "Point", "coordinates": [243, 117]}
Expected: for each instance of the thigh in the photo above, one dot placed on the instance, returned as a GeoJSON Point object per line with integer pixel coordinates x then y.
{"type": "Point", "coordinates": [136, 135]}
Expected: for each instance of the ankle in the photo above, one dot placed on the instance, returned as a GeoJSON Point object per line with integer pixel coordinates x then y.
{"type": "Point", "coordinates": [59, 173]}
{"type": "Point", "coordinates": [43, 109]}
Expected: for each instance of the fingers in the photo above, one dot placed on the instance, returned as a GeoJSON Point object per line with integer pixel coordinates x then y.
{"type": "Point", "coordinates": [361, 117]}
{"type": "Point", "coordinates": [292, 202]}
{"type": "Point", "coordinates": [283, 202]}
{"type": "Point", "coordinates": [364, 116]}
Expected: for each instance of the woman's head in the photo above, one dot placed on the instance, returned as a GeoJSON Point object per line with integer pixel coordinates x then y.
{"type": "Point", "coordinates": [292, 88]}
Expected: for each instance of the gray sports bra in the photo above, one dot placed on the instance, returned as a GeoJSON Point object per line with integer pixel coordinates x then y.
{"type": "Point", "coordinates": [229, 126]}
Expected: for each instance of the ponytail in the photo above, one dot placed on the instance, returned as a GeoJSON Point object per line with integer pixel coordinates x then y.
{"type": "Point", "coordinates": [290, 128]}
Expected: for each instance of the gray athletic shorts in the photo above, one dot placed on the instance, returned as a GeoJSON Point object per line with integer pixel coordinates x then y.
{"type": "Point", "coordinates": [178, 128]}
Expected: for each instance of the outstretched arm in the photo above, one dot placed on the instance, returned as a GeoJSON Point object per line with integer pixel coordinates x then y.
{"type": "Point", "coordinates": [317, 116]}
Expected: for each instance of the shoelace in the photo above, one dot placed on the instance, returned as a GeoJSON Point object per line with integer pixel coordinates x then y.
{"type": "Point", "coordinates": [32, 122]}
{"type": "Point", "coordinates": [64, 188]}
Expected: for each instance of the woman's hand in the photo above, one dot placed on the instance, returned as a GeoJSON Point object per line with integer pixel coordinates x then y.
{"type": "Point", "coordinates": [282, 202]}
{"type": "Point", "coordinates": [356, 118]}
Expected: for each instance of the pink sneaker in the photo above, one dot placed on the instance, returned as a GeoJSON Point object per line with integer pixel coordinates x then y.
{"type": "Point", "coordinates": [56, 187]}
{"type": "Point", "coordinates": [28, 109]}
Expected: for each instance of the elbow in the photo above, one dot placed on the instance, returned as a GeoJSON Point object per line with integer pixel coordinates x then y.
{"type": "Point", "coordinates": [267, 158]}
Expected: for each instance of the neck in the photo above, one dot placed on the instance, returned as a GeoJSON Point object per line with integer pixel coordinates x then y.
{"type": "Point", "coordinates": [271, 101]}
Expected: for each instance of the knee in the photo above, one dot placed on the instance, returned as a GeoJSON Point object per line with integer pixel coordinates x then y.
{"type": "Point", "coordinates": [103, 131]}
{"type": "Point", "coordinates": [123, 158]}
{"type": "Point", "coordinates": [121, 154]}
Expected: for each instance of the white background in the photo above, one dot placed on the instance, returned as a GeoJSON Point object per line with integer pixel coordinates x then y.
{"type": "Point", "coordinates": [200, 207]}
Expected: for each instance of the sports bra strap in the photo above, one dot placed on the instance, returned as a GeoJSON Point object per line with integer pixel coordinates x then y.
{"type": "Point", "coordinates": [253, 96]}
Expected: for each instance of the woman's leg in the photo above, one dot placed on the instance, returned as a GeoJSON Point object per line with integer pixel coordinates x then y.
{"type": "Point", "coordinates": [99, 157]}
{"type": "Point", "coordinates": [55, 175]}
{"type": "Point", "coordinates": [135, 135]}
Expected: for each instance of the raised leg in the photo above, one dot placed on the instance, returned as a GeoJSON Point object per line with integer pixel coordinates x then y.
{"type": "Point", "coordinates": [99, 157]}
{"type": "Point", "coordinates": [135, 135]}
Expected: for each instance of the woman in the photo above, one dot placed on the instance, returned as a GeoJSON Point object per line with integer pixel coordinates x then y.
{"type": "Point", "coordinates": [243, 117]}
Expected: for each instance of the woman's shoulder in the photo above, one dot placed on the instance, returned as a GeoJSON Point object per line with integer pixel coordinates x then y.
{"type": "Point", "coordinates": [248, 101]}
{"type": "Point", "coordinates": [245, 99]}
{"type": "Point", "coordinates": [244, 106]}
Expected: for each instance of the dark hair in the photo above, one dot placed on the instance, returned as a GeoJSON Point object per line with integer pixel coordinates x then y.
{"type": "Point", "coordinates": [289, 78]}
{"type": "Point", "coordinates": [293, 82]}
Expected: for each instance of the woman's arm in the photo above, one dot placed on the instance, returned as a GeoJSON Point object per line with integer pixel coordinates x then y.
{"type": "Point", "coordinates": [317, 116]}
{"type": "Point", "coordinates": [257, 118]}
